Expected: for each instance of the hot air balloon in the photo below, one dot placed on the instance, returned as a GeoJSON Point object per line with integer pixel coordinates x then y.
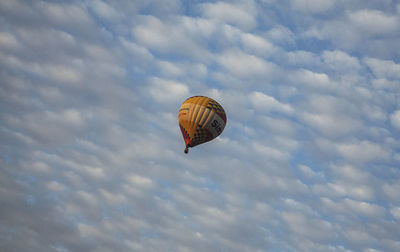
{"type": "Point", "coordinates": [201, 119]}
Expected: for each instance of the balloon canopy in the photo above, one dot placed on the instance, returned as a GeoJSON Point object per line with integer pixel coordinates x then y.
{"type": "Point", "coordinates": [201, 119]}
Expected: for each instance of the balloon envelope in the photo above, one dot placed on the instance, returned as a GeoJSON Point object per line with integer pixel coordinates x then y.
{"type": "Point", "coordinates": [201, 119]}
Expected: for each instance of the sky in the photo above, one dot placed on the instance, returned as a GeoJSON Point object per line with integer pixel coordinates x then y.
{"type": "Point", "coordinates": [91, 155]}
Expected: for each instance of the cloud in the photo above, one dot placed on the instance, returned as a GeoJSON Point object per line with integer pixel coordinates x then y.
{"type": "Point", "coordinates": [341, 62]}
{"type": "Point", "coordinates": [311, 79]}
{"type": "Point", "coordinates": [167, 91]}
{"type": "Point", "coordinates": [139, 181]}
{"type": "Point", "coordinates": [241, 15]}
{"type": "Point", "coordinates": [370, 31]}
{"type": "Point", "coordinates": [277, 125]}
{"type": "Point", "coordinates": [169, 37]}
{"type": "Point", "coordinates": [105, 10]}
{"type": "Point", "coordinates": [395, 119]}
{"type": "Point", "coordinates": [384, 68]}
{"type": "Point", "coordinates": [50, 126]}
{"type": "Point", "coordinates": [331, 116]}
{"type": "Point", "coordinates": [281, 34]}
{"type": "Point", "coordinates": [91, 155]}
{"type": "Point", "coordinates": [267, 103]}
{"type": "Point", "coordinates": [302, 59]}
{"type": "Point", "coordinates": [66, 16]}
{"type": "Point", "coordinates": [304, 227]}
{"type": "Point", "coordinates": [389, 190]}
{"type": "Point", "coordinates": [348, 172]}
{"type": "Point", "coordinates": [257, 44]}
{"type": "Point", "coordinates": [373, 22]}
{"type": "Point", "coordinates": [363, 152]}
{"type": "Point", "coordinates": [245, 65]}
{"type": "Point", "coordinates": [312, 6]}
{"type": "Point", "coordinates": [8, 41]}
{"type": "Point", "coordinates": [395, 211]}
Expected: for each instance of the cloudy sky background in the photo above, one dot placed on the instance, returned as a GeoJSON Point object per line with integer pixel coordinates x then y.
{"type": "Point", "coordinates": [91, 155]}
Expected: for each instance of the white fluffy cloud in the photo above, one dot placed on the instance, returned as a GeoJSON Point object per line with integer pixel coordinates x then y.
{"type": "Point", "coordinates": [90, 145]}
{"type": "Point", "coordinates": [266, 103]}
{"type": "Point", "coordinates": [240, 14]}
{"type": "Point", "coordinates": [164, 90]}
{"type": "Point", "coordinates": [384, 68]}
{"type": "Point", "coordinates": [374, 22]}
{"type": "Point", "coordinates": [174, 35]}
{"type": "Point", "coordinates": [395, 119]}
{"type": "Point", "coordinates": [245, 65]}
{"type": "Point", "coordinates": [312, 6]}
{"type": "Point", "coordinates": [341, 62]}
{"type": "Point", "coordinates": [105, 11]}
{"type": "Point", "coordinates": [371, 31]}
